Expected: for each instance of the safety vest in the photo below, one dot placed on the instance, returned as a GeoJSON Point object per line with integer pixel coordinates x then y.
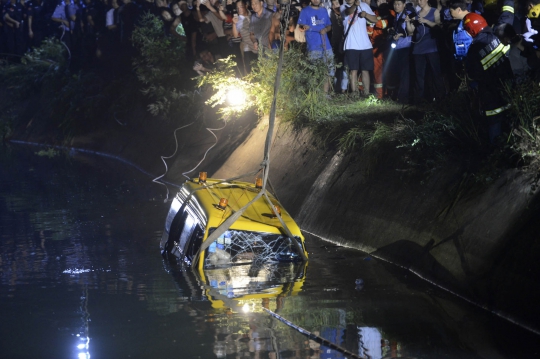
{"type": "Point", "coordinates": [493, 53]}
{"type": "Point", "coordinates": [462, 42]}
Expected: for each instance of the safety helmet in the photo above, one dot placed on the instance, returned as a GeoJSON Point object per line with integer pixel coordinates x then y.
{"type": "Point", "coordinates": [474, 23]}
{"type": "Point", "coordinates": [534, 12]}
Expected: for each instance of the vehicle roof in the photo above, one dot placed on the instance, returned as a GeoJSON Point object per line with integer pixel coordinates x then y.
{"type": "Point", "coordinates": [258, 217]}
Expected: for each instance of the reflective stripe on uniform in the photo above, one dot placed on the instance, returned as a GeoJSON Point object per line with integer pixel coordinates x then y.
{"type": "Point", "coordinates": [497, 111]}
{"type": "Point", "coordinates": [378, 86]}
{"type": "Point", "coordinates": [384, 24]}
{"type": "Point", "coordinates": [508, 8]}
{"type": "Point", "coordinates": [494, 56]}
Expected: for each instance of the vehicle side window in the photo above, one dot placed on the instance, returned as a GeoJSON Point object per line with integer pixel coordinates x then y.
{"type": "Point", "coordinates": [194, 242]}
{"type": "Point", "coordinates": [189, 226]}
{"type": "Point", "coordinates": [177, 226]}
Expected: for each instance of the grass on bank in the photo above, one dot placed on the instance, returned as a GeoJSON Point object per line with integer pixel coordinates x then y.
{"type": "Point", "coordinates": [42, 93]}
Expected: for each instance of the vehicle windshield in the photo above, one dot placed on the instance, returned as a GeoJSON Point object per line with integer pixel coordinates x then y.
{"type": "Point", "coordinates": [240, 247]}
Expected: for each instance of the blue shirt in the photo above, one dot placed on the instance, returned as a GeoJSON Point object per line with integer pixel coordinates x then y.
{"type": "Point", "coordinates": [63, 12]}
{"type": "Point", "coordinates": [316, 19]}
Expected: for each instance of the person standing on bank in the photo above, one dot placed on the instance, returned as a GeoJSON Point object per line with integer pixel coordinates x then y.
{"type": "Point", "coordinates": [425, 51]}
{"type": "Point", "coordinates": [489, 68]}
{"type": "Point", "coordinates": [240, 30]}
{"type": "Point", "coordinates": [398, 64]}
{"type": "Point", "coordinates": [259, 26]}
{"type": "Point", "coordinates": [357, 46]}
{"type": "Point", "coordinates": [315, 22]}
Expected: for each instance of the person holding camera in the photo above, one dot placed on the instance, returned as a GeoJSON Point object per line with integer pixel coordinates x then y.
{"type": "Point", "coordinates": [211, 17]}
{"type": "Point", "coordinates": [315, 22]}
{"type": "Point", "coordinates": [357, 47]}
{"type": "Point", "coordinates": [425, 52]}
{"type": "Point", "coordinates": [240, 29]}
{"type": "Point", "coordinates": [398, 68]}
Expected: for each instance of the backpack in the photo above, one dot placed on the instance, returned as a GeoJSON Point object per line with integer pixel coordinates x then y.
{"type": "Point", "coordinates": [462, 41]}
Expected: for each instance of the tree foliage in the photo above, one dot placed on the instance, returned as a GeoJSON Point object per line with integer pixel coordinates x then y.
{"type": "Point", "coordinates": [163, 69]}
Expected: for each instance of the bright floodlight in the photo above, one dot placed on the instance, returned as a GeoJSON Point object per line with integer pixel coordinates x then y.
{"type": "Point", "coordinates": [236, 97]}
{"type": "Point", "coordinates": [245, 308]}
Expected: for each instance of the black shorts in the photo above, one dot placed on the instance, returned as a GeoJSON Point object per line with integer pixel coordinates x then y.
{"type": "Point", "coordinates": [359, 59]}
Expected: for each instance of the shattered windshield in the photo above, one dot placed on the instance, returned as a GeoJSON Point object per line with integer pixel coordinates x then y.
{"type": "Point", "coordinates": [239, 247]}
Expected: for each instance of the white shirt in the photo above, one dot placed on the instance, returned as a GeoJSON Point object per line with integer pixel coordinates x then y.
{"type": "Point", "coordinates": [242, 26]}
{"type": "Point", "coordinates": [357, 38]}
{"type": "Point", "coordinates": [110, 18]}
{"type": "Point", "coordinates": [217, 23]}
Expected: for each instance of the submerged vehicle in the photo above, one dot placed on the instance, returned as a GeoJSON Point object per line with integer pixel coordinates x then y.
{"type": "Point", "coordinates": [235, 286]}
{"type": "Point", "coordinates": [257, 236]}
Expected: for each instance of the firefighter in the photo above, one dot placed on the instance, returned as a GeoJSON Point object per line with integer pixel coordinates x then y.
{"type": "Point", "coordinates": [489, 68]}
{"type": "Point", "coordinates": [377, 33]}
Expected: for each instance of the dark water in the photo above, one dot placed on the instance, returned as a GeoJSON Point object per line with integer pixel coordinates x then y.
{"type": "Point", "coordinates": [81, 277]}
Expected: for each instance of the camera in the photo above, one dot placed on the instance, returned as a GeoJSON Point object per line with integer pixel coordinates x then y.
{"type": "Point", "coordinates": [410, 11]}
{"type": "Point", "coordinates": [293, 12]}
{"type": "Point", "coordinates": [391, 32]}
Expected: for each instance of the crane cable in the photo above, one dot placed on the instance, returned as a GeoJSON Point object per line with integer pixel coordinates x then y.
{"type": "Point", "coordinates": [265, 165]}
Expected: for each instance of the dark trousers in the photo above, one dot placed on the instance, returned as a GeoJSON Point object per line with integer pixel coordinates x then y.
{"type": "Point", "coordinates": [249, 57]}
{"type": "Point", "coordinates": [421, 62]}
{"type": "Point", "coordinates": [39, 35]}
{"type": "Point", "coordinates": [398, 74]}
{"type": "Point", "coordinates": [15, 40]}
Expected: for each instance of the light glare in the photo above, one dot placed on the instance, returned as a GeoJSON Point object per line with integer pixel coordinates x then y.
{"type": "Point", "coordinates": [245, 308]}
{"type": "Point", "coordinates": [236, 97]}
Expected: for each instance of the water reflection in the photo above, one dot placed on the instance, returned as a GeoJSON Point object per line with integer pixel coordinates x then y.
{"type": "Point", "coordinates": [83, 337]}
{"type": "Point", "coordinates": [237, 296]}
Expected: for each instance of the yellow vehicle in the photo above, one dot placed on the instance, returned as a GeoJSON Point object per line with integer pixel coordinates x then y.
{"type": "Point", "coordinates": [257, 236]}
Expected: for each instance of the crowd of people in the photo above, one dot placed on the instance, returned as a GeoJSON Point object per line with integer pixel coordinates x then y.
{"type": "Point", "coordinates": [408, 50]}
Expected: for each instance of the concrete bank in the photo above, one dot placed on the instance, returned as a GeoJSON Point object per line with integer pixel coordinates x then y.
{"type": "Point", "coordinates": [480, 243]}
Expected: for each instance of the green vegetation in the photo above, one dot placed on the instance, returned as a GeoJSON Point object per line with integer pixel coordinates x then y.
{"type": "Point", "coordinates": [42, 93]}
{"type": "Point", "coordinates": [162, 68]}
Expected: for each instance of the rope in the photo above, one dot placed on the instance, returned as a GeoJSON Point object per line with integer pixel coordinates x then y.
{"type": "Point", "coordinates": [208, 150]}
{"type": "Point", "coordinates": [163, 158]}
{"type": "Point", "coordinates": [313, 336]}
